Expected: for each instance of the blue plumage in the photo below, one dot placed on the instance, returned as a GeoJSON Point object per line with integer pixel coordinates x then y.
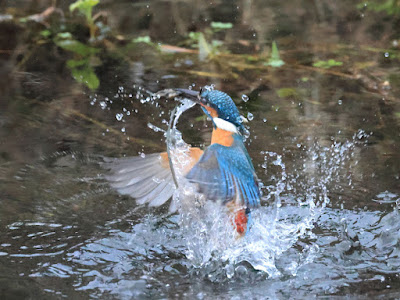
{"type": "Point", "coordinates": [226, 173]}
{"type": "Point", "coordinates": [224, 106]}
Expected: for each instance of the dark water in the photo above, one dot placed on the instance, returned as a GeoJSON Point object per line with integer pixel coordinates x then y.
{"type": "Point", "coordinates": [325, 143]}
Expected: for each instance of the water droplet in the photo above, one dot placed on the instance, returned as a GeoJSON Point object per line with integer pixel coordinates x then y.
{"type": "Point", "coordinates": [246, 133]}
{"type": "Point", "coordinates": [245, 98]}
{"type": "Point", "coordinates": [142, 155]}
{"type": "Point", "coordinates": [386, 54]}
{"type": "Point", "coordinates": [265, 120]}
{"type": "Point", "coordinates": [103, 105]}
{"type": "Point", "coordinates": [230, 271]}
{"type": "Point", "coordinates": [340, 102]}
{"type": "Point", "coordinates": [123, 129]}
{"type": "Point", "coordinates": [119, 117]}
{"type": "Point", "coordinates": [250, 116]}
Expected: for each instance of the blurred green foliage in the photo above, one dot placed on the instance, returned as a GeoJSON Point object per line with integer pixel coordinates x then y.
{"type": "Point", "coordinates": [84, 61]}
{"type": "Point", "coordinates": [391, 7]}
{"type": "Point", "coordinates": [221, 26]}
{"type": "Point", "coordinates": [287, 92]}
{"type": "Point", "coordinates": [275, 60]}
{"type": "Point", "coordinates": [200, 40]}
{"type": "Point", "coordinates": [85, 7]}
{"type": "Point", "coordinates": [67, 42]}
{"type": "Point", "coordinates": [84, 56]}
{"type": "Point", "coordinates": [326, 64]}
{"type": "Point", "coordinates": [143, 39]}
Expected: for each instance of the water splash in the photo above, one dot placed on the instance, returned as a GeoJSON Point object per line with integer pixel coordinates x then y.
{"type": "Point", "coordinates": [275, 243]}
{"type": "Point", "coordinates": [296, 239]}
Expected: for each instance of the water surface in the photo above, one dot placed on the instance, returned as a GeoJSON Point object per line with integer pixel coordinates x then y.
{"type": "Point", "coordinates": [324, 142]}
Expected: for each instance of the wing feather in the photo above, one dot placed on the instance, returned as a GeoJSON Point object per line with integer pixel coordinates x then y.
{"type": "Point", "coordinates": [226, 173]}
{"type": "Point", "coordinates": [145, 178]}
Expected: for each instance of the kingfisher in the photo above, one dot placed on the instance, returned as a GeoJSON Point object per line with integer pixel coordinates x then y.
{"type": "Point", "coordinates": [222, 172]}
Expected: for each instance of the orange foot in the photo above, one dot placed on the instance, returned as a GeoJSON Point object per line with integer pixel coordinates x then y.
{"type": "Point", "coordinates": [241, 221]}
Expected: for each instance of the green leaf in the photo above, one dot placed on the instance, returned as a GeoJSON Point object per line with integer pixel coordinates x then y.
{"type": "Point", "coordinates": [194, 35]}
{"type": "Point", "coordinates": [304, 79]}
{"type": "Point", "coordinates": [83, 5]}
{"type": "Point", "coordinates": [64, 40]}
{"type": "Point", "coordinates": [64, 35]}
{"type": "Point", "coordinates": [326, 64]}
{"type": "Point", "coordinates": [142, 39]}
{"type": "Point", "coordinates": [287, 92]}
{"type": "Point", "coordinates": [45, 33]}
{"type": "Point", "coordinates": [82, 71]}
{"type": "Point", "coordinates": [75, 63]}
{"type": "Point", "coordinates": [194, 39]}
{"type": "Point", "coordinates": [275, 60]}
{"type": "Point", "coordinates": [86, 76]}
{"type": "Point", "coordinates": [221, 25]}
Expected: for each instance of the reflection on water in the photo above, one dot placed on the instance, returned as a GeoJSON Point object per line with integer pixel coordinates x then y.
{"type": "Point", "coordinates": [324, 142]}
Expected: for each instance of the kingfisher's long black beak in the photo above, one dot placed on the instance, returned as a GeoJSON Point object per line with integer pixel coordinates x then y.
{"type": "Point", "coordinates": [191, 95]}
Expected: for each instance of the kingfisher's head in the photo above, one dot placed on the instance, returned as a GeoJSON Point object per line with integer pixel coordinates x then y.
{"type": "Point", "coordinates": [218, 106]}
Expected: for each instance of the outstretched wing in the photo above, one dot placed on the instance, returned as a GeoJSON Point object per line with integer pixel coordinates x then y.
{"type": "Point", "coordinates": [226, 173]}
{"type": "Point", "coordinates": [147, 179]}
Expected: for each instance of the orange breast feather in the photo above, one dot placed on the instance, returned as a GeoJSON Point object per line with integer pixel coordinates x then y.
{"type": "Point", "coordinates": [222, 137]}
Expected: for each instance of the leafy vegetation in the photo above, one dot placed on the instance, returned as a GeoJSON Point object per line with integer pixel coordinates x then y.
{"type": "Point", "coordinates": [85, 57]}
{"type": "Point", "coordinates": [275, 60]}
{"type": "Point", "coordinates": [390, 7]}
{"type": "Point", "coordinates": [327, 64]}
{"type": "Point", "coordinates": [85, 7]}
{"type": "Point", "coordinates": [84, 61]}
{"type": "Point", "coordinates": [142, 39]}
{"type": "Point", "coordinates": [287, 92]}
{"type": "Point", "coordinates": [199, 40]}
{"type": "Point", "coordinates": [221, 26]}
